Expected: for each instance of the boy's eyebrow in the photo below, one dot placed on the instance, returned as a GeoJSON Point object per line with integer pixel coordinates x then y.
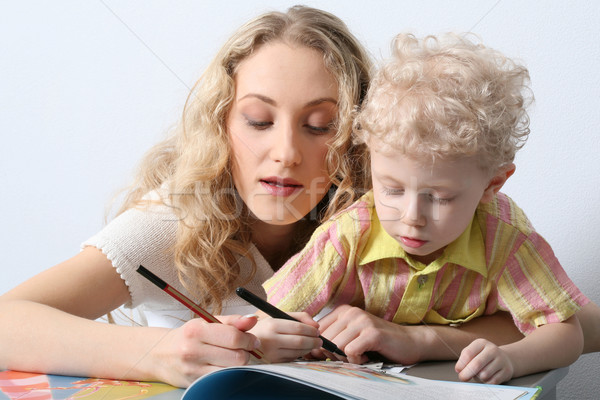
{"type": "Point", "coordinates": [449, 187]}
{"type": "Point", "coordinates": [272, 102]}
{"type": "Point", "coordinates": [442, 187]}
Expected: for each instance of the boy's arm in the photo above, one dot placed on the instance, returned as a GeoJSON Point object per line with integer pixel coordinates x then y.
{"type": "Point", "coordinates": [550, 346]}
{"type": "Point", "coordinates": [312, 278]}
{"type": "Point", "coordinates": [357, 332]}
{"type": "Point", "coordinates": [589, 318]}
{"type": "Point", "coordinates": [443, 342]}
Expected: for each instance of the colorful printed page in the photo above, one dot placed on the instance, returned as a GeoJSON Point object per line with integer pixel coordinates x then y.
{"type": "Point", "coordinates": [29, 386]}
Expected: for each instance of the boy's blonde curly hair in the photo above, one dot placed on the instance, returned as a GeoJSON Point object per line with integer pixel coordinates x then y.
{"type": "Point", "coordinates": [447, 97]}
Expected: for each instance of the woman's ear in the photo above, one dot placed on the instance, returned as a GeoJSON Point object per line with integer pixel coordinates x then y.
{"type": "Point", "coordinates": [497, 181]}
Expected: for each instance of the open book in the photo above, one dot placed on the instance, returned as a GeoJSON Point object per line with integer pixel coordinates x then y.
{"type": "Point", "coordinates": [337, 380]}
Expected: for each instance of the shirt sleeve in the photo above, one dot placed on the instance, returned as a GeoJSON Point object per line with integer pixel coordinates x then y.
{"type": "Point", "coordinates": [535, 288]}
{"type": "Point", "coordinates": [310, 279]}
{"type": "Point", "coordinates": [141, 237]}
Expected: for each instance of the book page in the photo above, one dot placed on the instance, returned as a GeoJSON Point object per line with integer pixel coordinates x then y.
{"type": "Point", "coordinates": [353, 381]}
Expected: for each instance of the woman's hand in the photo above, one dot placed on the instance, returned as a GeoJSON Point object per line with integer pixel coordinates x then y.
{"type": "Point", "coordinates": [357, 332]}
{"type": "Point", "coordinates": [197, 348]}
{"type": "Point", "coordinates": [284, 340]}
{"type": "Point", "coordinates": [486, 361]}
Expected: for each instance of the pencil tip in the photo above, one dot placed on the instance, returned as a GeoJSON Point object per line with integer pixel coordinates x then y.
{"type": "Point", "coordinates": [340, 352]}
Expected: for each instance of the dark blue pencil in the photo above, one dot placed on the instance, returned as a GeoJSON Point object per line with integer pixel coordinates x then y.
{"type": "Point", "coordinates": [275, 312]}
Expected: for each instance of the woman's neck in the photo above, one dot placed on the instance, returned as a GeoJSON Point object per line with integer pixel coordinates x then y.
{"type": "Point", "coordinates": [275, 242]}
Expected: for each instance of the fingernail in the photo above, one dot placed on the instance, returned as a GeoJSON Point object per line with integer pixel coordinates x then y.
{"type": "Point", "coordinates": [257, 343]}
{"type": "Point", "coordinates": [250, 316]}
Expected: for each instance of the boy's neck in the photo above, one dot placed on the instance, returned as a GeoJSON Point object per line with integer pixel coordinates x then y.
{"type": "Point", "coordinates": [429, 258]}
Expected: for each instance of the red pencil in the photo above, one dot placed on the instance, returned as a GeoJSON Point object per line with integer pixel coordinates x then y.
{"type": "Point", "coordinates": [180, 297]}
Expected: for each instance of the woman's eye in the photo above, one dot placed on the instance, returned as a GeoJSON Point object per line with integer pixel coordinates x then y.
{"type": "Point", "coordinates": [259, 125]}
{"type": "Point", "coordinates": [319, 130]}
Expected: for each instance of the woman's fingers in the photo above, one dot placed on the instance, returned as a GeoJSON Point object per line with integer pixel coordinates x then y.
{"type": "Point", "coordinates": [197, 348]}
{"type": "Point", "coordinates": [243, 323]}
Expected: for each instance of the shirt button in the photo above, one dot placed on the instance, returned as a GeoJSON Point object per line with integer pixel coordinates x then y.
{"type": "Point", "coordinates": [422, 280]}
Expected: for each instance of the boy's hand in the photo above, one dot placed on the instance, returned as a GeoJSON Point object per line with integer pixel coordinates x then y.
{"type": "Point", "coordinates": [486, 361]}
{"type": "Point", "coordinates": [358, 332]}
{"type": "Point", "coordinates": [284, 340]}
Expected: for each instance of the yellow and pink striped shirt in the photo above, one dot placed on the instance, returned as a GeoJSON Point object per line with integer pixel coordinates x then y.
{"type": "Point", "coordinates": [498, 263]}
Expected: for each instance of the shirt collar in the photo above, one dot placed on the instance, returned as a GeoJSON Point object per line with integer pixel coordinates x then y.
{"type": "Point", "coordinates": [468, 250]}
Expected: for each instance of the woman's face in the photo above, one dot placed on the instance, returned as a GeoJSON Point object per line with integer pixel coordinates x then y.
{"type": "Point", "coordinates": [280, 124]}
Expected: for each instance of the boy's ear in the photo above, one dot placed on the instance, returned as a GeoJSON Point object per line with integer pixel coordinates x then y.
{"type": "Point", "coordinates": [497, 181]}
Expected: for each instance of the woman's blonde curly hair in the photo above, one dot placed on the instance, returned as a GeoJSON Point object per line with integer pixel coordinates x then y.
{"type": "Point", "coordinates": [194, 162]}
{"type": "Point", "coordinates": [447, 96]}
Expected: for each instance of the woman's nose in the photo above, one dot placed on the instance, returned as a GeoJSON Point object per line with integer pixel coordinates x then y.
{"type": "Point", "coordinates": [285, 147]}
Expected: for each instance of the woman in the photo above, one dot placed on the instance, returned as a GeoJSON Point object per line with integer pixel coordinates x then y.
{"type": "Point", "coordinates": [261, 155]}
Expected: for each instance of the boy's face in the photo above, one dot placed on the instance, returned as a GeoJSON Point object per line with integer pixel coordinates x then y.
{"type": "Point", "coordinates": [425, 205]}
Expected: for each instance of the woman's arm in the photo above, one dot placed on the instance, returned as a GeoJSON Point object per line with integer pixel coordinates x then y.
{"type": "Point", "coordinates": [48, 325]}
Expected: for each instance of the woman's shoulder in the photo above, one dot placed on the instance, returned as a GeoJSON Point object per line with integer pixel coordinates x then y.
{"type": "Point", "coordinates": [141, 235]}
{"type": "Point", "coordinates": [153, 218]}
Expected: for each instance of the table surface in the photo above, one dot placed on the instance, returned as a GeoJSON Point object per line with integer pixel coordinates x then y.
{"type": "Point", "coordinates": [444, 371]}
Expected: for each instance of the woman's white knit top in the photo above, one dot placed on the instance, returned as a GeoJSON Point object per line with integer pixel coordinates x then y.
{"type": "Point", "coordinates": [146, 237]}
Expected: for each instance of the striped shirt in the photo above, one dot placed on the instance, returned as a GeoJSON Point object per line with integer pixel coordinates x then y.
{"type": "Point", "coordinates": [498, 263]}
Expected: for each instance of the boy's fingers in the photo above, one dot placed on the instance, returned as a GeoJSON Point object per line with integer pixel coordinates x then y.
{"type": "Point", "coordinates": [469, 353]}
{"type": "Point", "coordinates": [305, 318]}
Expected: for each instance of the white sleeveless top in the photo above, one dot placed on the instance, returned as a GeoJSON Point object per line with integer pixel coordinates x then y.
{"type": "Point", "coordinates": [145, 237]}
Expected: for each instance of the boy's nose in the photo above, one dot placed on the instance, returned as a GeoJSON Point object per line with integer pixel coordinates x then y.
{"type": "Point", "coordinates": [413, 214]}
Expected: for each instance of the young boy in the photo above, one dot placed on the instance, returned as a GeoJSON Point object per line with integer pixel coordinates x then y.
{"type": "Point", "coordinates": [435, 242]}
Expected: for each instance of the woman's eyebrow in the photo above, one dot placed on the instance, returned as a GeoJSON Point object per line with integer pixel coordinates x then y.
{"type": "Point", "coordinates": [261, 97]}
{"type": "Point", "coordinates": [272, 102]}
{"type": "Point", "coordinates": [316, 102]}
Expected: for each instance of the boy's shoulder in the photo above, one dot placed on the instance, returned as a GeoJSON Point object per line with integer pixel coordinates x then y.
{"type": "Point", "coordinates": [364, 206]}
{"type": "Point", "coordinates": [357, 217]}
{"type": "Point", "coordinates": [503, 209]}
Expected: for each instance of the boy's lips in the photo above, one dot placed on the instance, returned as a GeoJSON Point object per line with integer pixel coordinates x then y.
{"type": "Point", "coordinates": [278, 186]}
{"type": "Point", "coordinates": [412, 242]}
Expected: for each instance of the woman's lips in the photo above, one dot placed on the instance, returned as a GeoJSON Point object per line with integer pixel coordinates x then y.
{"type": "Point", "coordinates": [412, 242]}
{"type": "Point", "coordinates": [283, 187]}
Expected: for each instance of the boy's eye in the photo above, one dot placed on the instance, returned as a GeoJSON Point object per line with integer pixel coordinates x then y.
{"type": "Point", "coordinates": [393, 191]}
{"type": "Point", "coordinates": [438, 200]}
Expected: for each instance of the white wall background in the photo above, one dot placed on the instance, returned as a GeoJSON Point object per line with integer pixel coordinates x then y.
{"type": "Point", "coordinates": [87, 87]}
